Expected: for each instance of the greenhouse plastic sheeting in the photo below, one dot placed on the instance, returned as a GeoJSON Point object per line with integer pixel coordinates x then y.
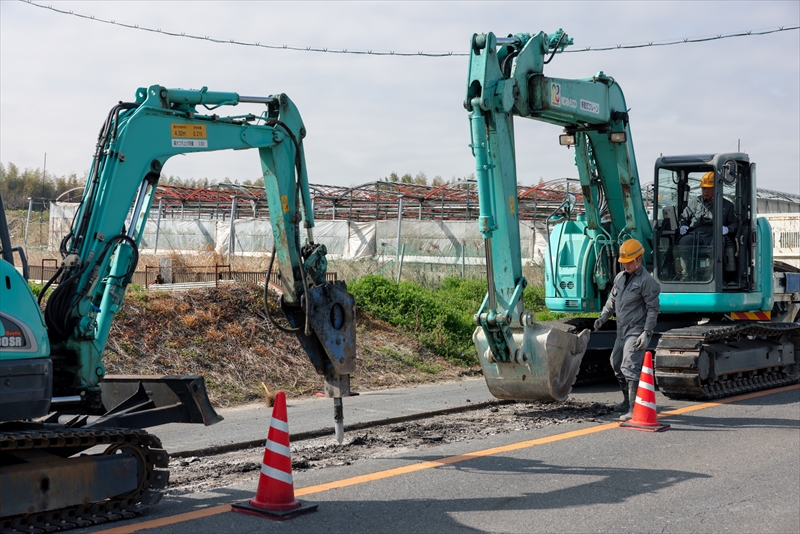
{"type": "Point", "coordinates": [361, 242]}
{"type": "Point", "coordinates": [334, 235]}
{"type": "Point", "coordinates": [448, 241]}
{"type": "Point", "coordinates": [251, 236]}
{"type": "Point", "coordinates": [179, 235]}
{"type": "Point", "coordinates": [61, 215]}
{"type": "Point", "coordinates": [443, 242]}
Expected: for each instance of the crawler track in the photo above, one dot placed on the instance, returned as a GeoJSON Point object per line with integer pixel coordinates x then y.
{"type": "Point", "coordinates": [67, 440]}
{"type": "Point", "coordinates": [685, 366]}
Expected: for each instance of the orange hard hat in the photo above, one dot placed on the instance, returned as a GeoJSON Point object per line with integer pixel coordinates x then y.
{"type": "Point", "coordinates": [630, 250]}
{"type": "Point", "coordinates": [707, 180]}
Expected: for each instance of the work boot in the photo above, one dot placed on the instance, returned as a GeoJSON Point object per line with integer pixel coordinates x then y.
{"type": "Point", "coordinates": [633, 387]}
{"type": "Point", "coordinates": [623, 406]}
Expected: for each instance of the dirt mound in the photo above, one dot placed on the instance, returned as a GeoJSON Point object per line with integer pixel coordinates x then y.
{"type": "Point", "coordinates": [223, 334]}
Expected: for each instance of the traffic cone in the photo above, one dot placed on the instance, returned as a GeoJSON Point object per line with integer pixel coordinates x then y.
{"type": "Point", "coordinates": [644, 410]}
{"type": "Point", "coordinates": [275, 494]}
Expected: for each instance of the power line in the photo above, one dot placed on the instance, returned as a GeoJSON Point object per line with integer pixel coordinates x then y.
{"type": "Point", "coordinates": [368, 52]}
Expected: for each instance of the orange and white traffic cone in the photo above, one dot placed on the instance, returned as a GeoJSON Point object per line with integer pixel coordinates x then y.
{"type": "Point", "coordinates": [644, 410]}
{"type": "Point", "coordinates": [275, 494]}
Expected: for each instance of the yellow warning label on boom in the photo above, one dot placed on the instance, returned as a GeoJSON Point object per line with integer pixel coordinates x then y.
{"type": "Point", "coordinates": [188, 131]}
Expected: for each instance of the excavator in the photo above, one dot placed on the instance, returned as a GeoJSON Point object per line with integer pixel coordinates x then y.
{"type": "Point", "coordinates": [73, 451]}
{"type": "Point", "coordinates": [728, 317]}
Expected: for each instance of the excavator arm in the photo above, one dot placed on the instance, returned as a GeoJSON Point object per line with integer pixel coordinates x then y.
{"type": "Point", "coordinates": [520, 358]}
{"type": "Point", "coordinates": [100, 252]}
{"type": "Point", "coordinates": [506, 79]}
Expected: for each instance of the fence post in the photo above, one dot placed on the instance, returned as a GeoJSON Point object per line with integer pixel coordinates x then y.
{"type": "Point", "coordinates": [399, 230]}
{"type": "Point", "coordinates": [28, 221]}
{"type": "Point", "coordinates": [158, 225]}
{"type": "Point", "coordinates": [463, 260]}
{"type": "Point", "coordinates": [400, 265]}
{"type": "Point", "coordinates": [232, 238]}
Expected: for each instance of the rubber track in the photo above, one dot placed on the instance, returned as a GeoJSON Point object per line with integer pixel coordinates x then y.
{"type": "Point", "coordinates": [84, 515]}
{"type": "Point", "coordinates": [689, 342]}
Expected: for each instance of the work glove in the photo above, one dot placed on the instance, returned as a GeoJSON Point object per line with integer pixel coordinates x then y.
{"type": "Point", "coordinates": [684, 229]}
{"type": "Point", "coordinates": [598, 324]}
{"type": "Point", "coordinates": [643, 340]}
{"type": "Point", "coordinates": [724, 230]}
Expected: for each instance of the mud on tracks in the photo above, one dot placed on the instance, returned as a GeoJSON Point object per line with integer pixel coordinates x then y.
{"type": "Point", "coordinates": [188, 475]}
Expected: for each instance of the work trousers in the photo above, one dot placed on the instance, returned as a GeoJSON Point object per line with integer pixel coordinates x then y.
{"type": "Point", "coordinates": [626, 360]}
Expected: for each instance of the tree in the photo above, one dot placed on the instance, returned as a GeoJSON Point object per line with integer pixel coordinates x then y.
{"type": "Point", "coordinates": [17, 187]}
{"type": "Point", "coordinates": [421, 179]}
{"type": "Point", "coordinates": [437, 181]}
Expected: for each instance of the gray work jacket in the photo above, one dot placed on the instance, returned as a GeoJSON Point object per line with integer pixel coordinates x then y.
{"type": "Point", "coordinates": [699, 214]}
{"type": "Point", "coordinates": [636, 305]}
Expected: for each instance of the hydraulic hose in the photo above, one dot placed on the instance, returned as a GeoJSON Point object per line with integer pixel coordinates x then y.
{"type": "Point", "coordinates": [266, 298]}
{"type": "Point", "coordinates": [62, 302]}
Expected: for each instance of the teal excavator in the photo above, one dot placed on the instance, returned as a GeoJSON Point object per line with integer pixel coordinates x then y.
{"type": "Point", "coordinates": [727, 322]}
{"type": "Point", "coordinates": [56, 401]}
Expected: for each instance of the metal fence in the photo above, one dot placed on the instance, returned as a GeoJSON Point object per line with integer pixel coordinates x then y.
{"type": "Point", "coordinates": [184, 275]}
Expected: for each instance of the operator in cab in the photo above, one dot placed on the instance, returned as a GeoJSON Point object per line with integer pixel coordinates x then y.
{"type": "Point", "coordinates": [697, 222]}
{"type": "Point", "coordinates": [634, 300]}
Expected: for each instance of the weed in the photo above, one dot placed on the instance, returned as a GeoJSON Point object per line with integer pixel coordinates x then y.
{"type": "Point", "coordinates": [410, 361]}
{"type": "Point", "coordinates": [36, 288]}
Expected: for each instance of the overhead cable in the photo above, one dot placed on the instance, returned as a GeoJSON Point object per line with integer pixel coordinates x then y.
{"type": "Point", "coordinates": [369, 52]}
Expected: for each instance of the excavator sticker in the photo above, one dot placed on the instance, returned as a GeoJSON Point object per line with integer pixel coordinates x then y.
{"type": "Point", "coordinates": [15, 336]}
{"type": "Point", "coordinates": [189, 135]}
{"type": "Point", "coordinates": [591, 107]}
{"type": "Point", "coordinates": [555, 94]}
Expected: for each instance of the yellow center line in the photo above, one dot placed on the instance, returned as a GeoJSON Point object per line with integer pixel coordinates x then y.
{"type": "Point", "coordinates": [421, 466]}
{"type": "Point", "coordinates": [729, 400]}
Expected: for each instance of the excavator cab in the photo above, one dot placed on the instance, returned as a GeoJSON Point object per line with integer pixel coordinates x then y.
{"type": "Point", "coordinates": [703, 215]}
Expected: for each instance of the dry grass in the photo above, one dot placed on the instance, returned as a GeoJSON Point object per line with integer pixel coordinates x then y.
{"type": "Point", "coordinates": [222, 334]}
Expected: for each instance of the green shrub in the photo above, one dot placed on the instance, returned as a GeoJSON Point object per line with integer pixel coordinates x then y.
{"type": "Point", "coordinates": [442, 318]}
{"type": "Point", "coordinates": [36, 288]}
{"type": "Point", "coordinates": [434, 316]}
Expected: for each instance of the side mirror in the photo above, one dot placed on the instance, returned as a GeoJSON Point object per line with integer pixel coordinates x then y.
{"type": "Point", "coordinates": [565, 209]}
{"type": "Point", "coordinates": [571, 201]}
{"type": "Point", "coordinates": [729, 172]}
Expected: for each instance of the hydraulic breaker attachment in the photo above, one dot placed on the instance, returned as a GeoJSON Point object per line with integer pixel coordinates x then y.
{"type": "Point", "coordinates": [544, 365]}
{"type": "Point", "coordinates": [332, 317]}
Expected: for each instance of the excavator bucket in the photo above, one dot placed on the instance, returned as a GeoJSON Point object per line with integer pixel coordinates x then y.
{"type": "Point", "coordinates": [545, 367]}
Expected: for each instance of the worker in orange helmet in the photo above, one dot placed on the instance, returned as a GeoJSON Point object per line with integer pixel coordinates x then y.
{"type": "Point", "coordinates": [697, 223]}
{"type": "Point", "coordinates": [634, 300]}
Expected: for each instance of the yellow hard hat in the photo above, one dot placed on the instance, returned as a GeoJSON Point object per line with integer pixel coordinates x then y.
{"type": "Point", "coordinates": [707, 180]}
{"type": "Point", "coordinates": [630, 250]}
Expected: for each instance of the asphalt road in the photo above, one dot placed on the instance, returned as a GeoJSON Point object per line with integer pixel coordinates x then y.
{"type": "Point", "coordinates": [722, 467]}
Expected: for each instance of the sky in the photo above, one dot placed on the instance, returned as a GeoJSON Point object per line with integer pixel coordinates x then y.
{"type": "Point", "coordinates": [368, 116]}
